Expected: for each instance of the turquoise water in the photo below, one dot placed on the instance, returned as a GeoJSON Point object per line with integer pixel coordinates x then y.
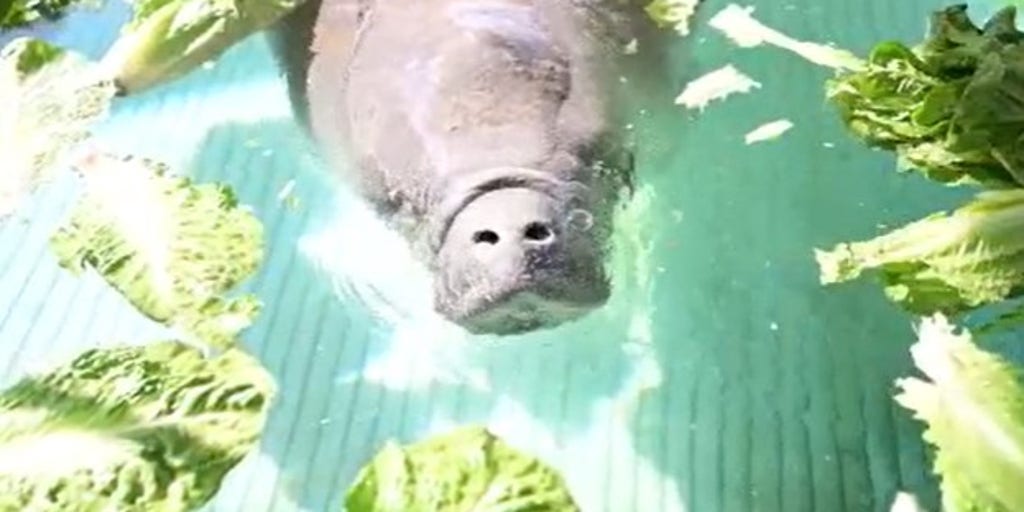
{"type": "Point", "coordinates": [721, 377]}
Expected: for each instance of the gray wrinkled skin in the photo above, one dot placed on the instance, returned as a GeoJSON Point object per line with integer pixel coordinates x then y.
{"type": "Point", "coordinates": [489, 131]}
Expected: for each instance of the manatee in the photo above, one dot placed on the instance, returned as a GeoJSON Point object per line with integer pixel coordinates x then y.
{"type": "Point", "coordinates": [491, 133]}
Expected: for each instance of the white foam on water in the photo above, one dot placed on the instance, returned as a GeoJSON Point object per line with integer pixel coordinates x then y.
{"type": "Point", "coordinates": [257, 465]}
{"type": "Point", "coordinates": [382, 273]}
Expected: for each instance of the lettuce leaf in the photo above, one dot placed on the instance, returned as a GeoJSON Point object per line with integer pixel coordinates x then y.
{"type": "Point", "coordinates": [52, 98]}
{"type": "Point", "coordinates": [171, 247]}
{"type": "Point", "coordinates": [739, 25]}
{"type": "Point", "coordinates": [25, 56]}
{"type": "Point", "coordinates": [673, 13]}
{"type": "Point", "coordinates": [952, 108]}
{"type": "Point", "coordinates": [468, 469]}
{"type": "Point", "coordinates": [150, 428]}
{"type": "Point", "coordinates": [973, 404]}
{"type": "Point", "coordinates": [21, 13]}
{"type": "Point", "coordinates": [948, 263]}
{"type": "Point", "coordinates": [167, 39]}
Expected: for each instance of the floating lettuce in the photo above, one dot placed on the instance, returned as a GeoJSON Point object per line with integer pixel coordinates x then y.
{"type": "Point", "coordinates": [468, 469]}
{"type": "Point", "coordinates": [739, 25]}
{"type": "Point", "coordinates": [153, 428]}
{"type": "Point", "coordinates": [952, 108]}
{"type": "Point", "coordinates": [973, 404]}
{"type": "Point", "coordinates": [167, 39]}
{"type": "Point", "coordinates": [25, 56]}
{"type": "Point", "coordinates": [19, 13]}
{"type": "Point", "coordinates": [171, 247]}
{"type": "Point", "coordinates": [673, 13]}
{"type": "Point", "coordinates": [947, 263]}
{"type": "Point", "coordinates": [51, 99]}
{"type": "Point", "coordinates": [133, 429]}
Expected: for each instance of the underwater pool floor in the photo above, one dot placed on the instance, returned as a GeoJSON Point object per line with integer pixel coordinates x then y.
{"type": "Point", "coordinates": [721, 377]}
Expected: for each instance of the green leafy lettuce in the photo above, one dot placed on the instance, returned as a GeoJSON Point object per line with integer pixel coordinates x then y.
{"type": "Point", "coordinates": [20, 13]}
{"type": "Point", "coordinates": [51, 100]}
{"type": "Point", "coordinates": [468, 469]}
{"type": "Point", "coordinates": [133, 429]}
{"type": "Point", "coordinates": [167, 39]}
{"type": "Point", "coordinates": [973, 404]}
{"type": "Point", "coordinates": [171, 247]}
{"type": "Point", "coordinates": [153, 428]}
{"type": "Point", "coordinates": [25, 56]}
{"type": "Point", "coordinates": [673, 13]}
{"type": "Point", "coordinates": [948, 263]}
{"type": "Point", "coordinates": [952, 107]}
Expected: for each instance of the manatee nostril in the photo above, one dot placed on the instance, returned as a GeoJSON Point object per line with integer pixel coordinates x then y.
{"type": "Point", "coordinates": [485, 237]}
{"type": "Point", "coordinates": [537, 232]}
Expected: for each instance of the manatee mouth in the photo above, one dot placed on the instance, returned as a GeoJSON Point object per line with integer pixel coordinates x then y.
{"type": "Point", "coordinates": [524, 307]}
{"type": "Point", "coordinates": [521, 312]}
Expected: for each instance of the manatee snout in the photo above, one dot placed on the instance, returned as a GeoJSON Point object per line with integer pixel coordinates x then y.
{"type": "Point", "coordinates": [517, 259]}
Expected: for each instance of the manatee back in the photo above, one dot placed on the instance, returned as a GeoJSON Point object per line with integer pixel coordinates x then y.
{"type": "Point", "coordinates": [318, 44]}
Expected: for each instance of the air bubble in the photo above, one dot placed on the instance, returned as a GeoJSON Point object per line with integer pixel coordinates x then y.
{"type": "Point", "coordinates": [581, 219]}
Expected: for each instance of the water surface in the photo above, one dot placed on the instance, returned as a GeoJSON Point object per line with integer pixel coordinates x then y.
{"type": "Point", "coordinates": [721, 376]}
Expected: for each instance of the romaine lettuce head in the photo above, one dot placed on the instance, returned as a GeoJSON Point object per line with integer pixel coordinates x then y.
{"type": "Point", "coordinates": [51, 100]}
{"type": "Point", "coordinates": [132, 429]}
{"type": "Point", "coordinates": [973, 404]}
{"type": "Point", "coordinates": [956, 46]}
{"type": "Point", "coordinates": [468, 469]}
{"type": "Point", "coordinates": [167, 39]}
{"type": "Point", "coordinates": [947, 263]}
{"type": "Point", "coordinates": [171, 247]}
{"type": "Point", "coordinates": [952, 108]}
